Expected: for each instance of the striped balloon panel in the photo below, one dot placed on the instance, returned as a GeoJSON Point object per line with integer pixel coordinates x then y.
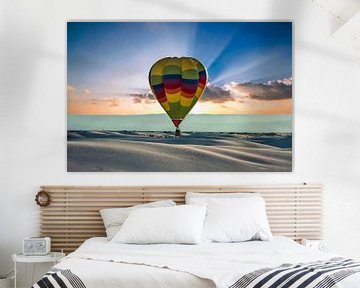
{"type": "Point", "coordinates": [177, 84]}
{"type": "Point", "coordinates": [157, 83]}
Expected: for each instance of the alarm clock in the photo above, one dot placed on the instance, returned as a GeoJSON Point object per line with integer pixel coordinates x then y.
{"type": "Point", "coordinates": [36, 246]}
{"type": "Point", "coordinates": [320, 245]}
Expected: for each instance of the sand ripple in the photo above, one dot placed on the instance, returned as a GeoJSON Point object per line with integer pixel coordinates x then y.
{"type": "Point", "coordinates": [193, 152]}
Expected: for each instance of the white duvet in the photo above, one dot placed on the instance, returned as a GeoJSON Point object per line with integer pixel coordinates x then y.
{"type": "Point", "coordinates": [100, 263]}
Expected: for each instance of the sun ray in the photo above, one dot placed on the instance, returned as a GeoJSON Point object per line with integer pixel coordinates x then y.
{"type": "Point", "coordinates": [239, 67]}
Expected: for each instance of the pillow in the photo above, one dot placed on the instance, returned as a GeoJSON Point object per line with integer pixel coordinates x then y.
{"type": "Point", "coordinates": [113, 218]}
{"type": "Point", "coordinates": [236, 220]}
{"type": "Point", "coordinates": [203, 198]}
{"type": "Point", "coordinates": [172, 225]}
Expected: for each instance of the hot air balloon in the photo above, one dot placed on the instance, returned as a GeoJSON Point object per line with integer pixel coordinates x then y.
{"type": "Point", "coordinates": [177, 84]}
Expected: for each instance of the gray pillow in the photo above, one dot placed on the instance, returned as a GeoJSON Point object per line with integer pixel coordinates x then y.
{"type": "Point", "coordinates": [113, 218]}
{"type": "Point", "coordinates": [204, 198]}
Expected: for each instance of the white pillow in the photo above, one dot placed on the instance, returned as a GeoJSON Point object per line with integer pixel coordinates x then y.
{"type": "Point", "coordinates": [204, 198]}
{"type": "Point", "coordinates": [180, 224]}
{"type": "Point", "coordinates": [113, 218]}
{"type": "Point", "coordinates": [236, 220]}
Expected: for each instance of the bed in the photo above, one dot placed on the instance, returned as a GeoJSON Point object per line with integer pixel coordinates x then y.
{"type": "Point", "coordinates": [294, 211]}
{"type": "Point", "coordinates": [98, 263]}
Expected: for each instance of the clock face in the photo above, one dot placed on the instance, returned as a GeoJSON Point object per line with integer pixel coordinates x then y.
{"type": "Point", "coordinates": [40, 245]}
{"type": "Point", "coordinates": [323, 247]}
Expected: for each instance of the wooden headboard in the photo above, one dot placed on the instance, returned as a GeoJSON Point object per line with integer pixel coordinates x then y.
{"type": "Point", "coordinates": [73, 215]}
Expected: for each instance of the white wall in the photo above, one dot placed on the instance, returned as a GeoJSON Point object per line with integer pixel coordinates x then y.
{"type": "Point", "coordinates": [33, 109]}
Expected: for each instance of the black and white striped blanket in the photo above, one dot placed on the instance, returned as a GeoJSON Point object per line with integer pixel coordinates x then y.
{"type": "Point", "coordinates": [59, 278]}
{"type": "Point", "coordinates": [320, 274]}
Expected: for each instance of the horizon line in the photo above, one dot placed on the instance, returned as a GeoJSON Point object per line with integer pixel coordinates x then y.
{"type": "Point", "coordinates": [288, 114]}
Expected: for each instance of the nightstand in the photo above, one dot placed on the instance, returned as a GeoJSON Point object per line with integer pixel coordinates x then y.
{"type": "Point", "coordinates": [53, 257]}
{"type": "Point", "coordinates": [320, 245]}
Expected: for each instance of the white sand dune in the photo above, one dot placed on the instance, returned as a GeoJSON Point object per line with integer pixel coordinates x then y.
{"type": "Point", "coordinates": [195, 152]}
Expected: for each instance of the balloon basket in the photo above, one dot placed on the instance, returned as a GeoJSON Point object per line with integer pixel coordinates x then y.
{"type": "Point", "coordinates": [177, 132]}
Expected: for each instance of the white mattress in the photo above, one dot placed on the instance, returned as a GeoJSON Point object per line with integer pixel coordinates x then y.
{"type": "Point", "coordinates": [102, 264]}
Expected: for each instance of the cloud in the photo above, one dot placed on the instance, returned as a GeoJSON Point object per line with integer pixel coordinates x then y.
{"type": "Point", "coordinates": [234, 92]}
{"type": "Point", "coordinates": [86, 91]}
{"type": "Point", "coordinates": [111, 101]}
{"type": "Point", "coordinates": [271, 90]}
{"type": "Point", "coordinates": [286, 81]}
{"type": "Point", "coordinates": [137, 100]}
{"type": "Point", "coordinates": [70, 88]}
{"type": "Point", "coordinates": [217, 94]}
{"type": "Point", "coordinates": [146, 98]}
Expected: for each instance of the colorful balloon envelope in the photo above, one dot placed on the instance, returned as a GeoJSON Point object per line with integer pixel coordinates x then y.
{"type": "Point", "coordinates": [178, 84]}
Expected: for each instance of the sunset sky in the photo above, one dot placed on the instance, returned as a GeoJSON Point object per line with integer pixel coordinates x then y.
{"type": "Point", "coordinates": [249, 65]}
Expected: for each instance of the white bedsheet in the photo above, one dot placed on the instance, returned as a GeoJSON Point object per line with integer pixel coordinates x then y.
{"type": "Point", "coordinates": [102, 264]}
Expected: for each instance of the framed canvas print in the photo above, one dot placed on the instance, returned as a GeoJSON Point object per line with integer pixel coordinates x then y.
{"type": "Point", "coordinates": [179, 96]}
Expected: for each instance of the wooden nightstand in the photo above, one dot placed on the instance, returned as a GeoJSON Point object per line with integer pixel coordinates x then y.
{"type": "Point", "coordinates": [53, 257]}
